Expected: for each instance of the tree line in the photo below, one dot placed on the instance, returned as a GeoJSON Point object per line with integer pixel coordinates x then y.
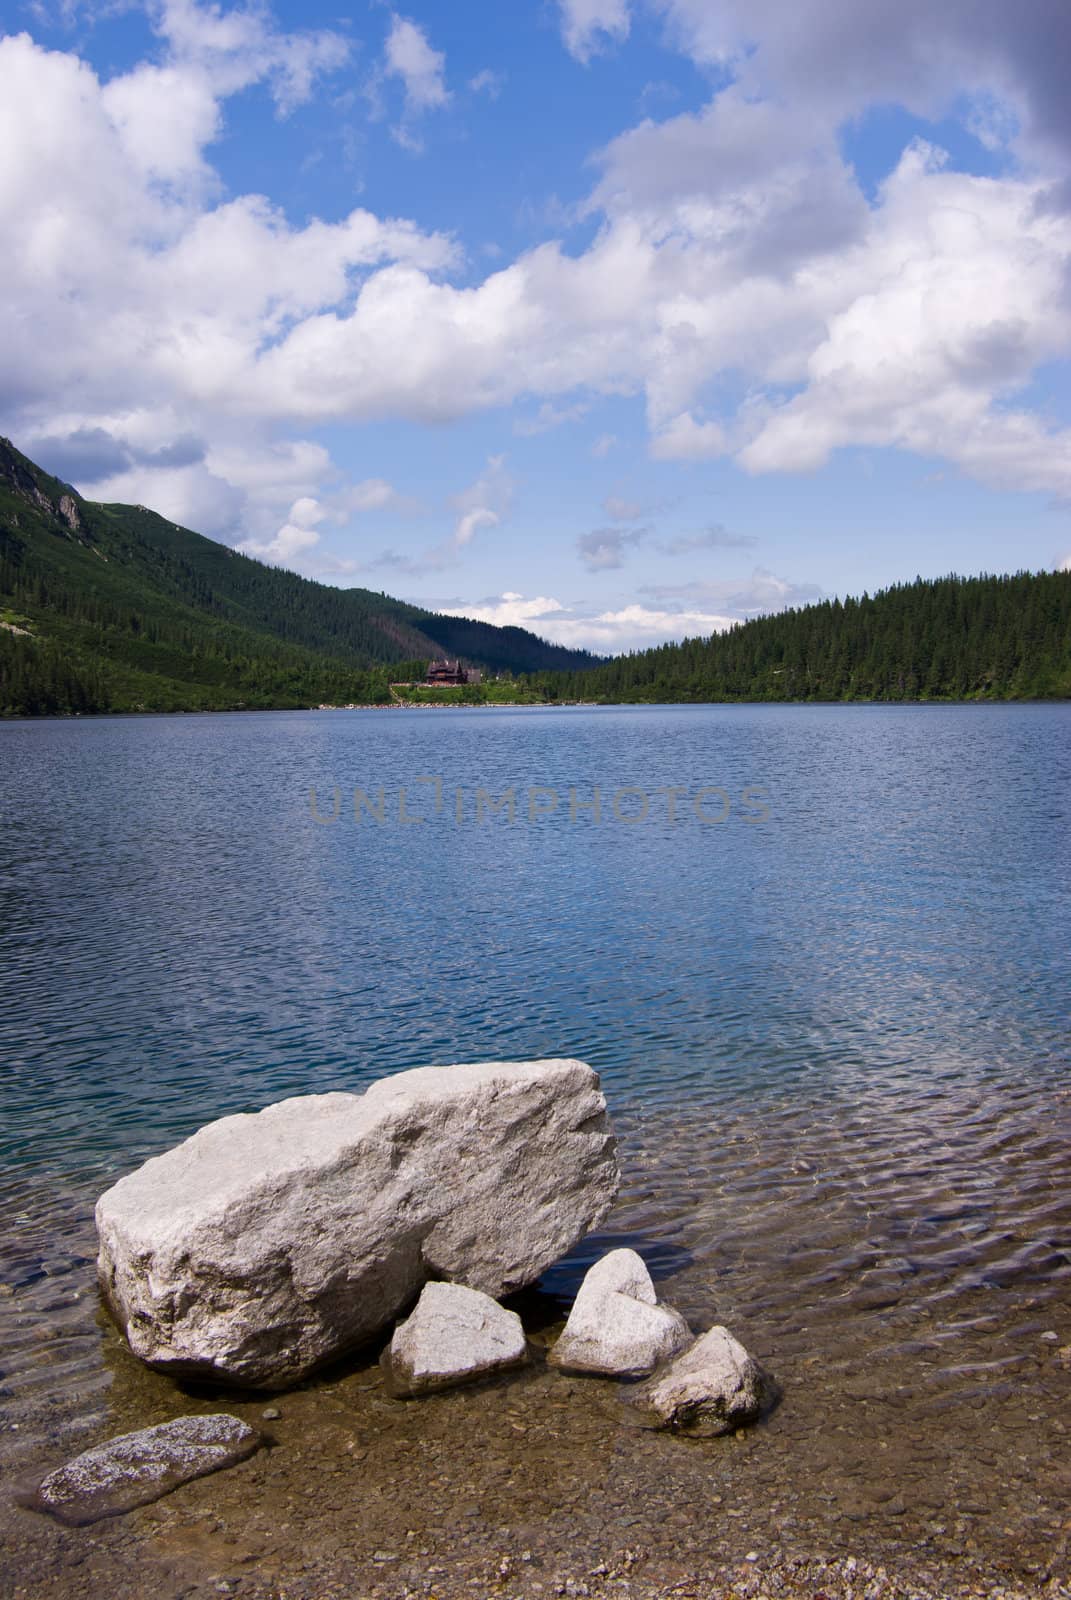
{"type": "Point", "coordinates": [984, 638]}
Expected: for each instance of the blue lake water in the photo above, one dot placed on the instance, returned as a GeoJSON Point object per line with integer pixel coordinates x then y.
{"type": "Point", "coordinates": [886, 913]}
{"type": "Point", "coordinates": [821, 957]}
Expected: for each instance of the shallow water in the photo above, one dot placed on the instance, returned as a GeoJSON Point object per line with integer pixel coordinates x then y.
{"type": "Point", "coordinates": [832, 1028]}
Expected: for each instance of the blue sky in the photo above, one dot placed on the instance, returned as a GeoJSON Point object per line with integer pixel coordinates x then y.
{"type": "Point", "coordinates": [623, 319]}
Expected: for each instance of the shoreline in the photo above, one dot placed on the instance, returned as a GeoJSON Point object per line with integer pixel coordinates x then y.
{"type": "Point", "coordinates": [543, 705]}
{"type": "Point", "coordinates": [918, 1452]}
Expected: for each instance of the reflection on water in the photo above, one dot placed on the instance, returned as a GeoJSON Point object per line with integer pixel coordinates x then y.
{"type": "Point", "coordinates": [835, 1042]}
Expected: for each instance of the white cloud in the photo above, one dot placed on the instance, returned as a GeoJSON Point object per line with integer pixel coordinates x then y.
{"type": "Point", "coordinates": [630, 627]}
{"type": "Point", "coordinates": [834, 57]}
{"type": "Point", "coordinates": [509, 610]}
{"type": "Point", "coordinates": [484, 503]}
{"type": "Point", "coordinates": [763, 592]}
{"type": "Point", "coordinates": [231, 49]}
{"type": "Point", "coordinates": [636, 627]}
{"type": "Point", "coordinates": [297, 534]}
{"type": "Point", "coordinates": [591, 25]}
{"type": "Point", "coordinates": [687, 611]}
{"type": "Point", "coordinates": [605, 549]}
{"type": "Point", "coordinates": [137, 301]}
{"type": "Point", "coordinates": [409, 56]}
{"type": "Point", "coordinates": [622, 510]}
{"type": "Point", "coordinates": [371, 494]}
{"type": "Point", "coordinates": [738, 279]}
{"type": "Point", "coordinates": [713, 538]}
{"type": "Point", "coordinates": [547, 417]}
{"type": "Point", "coordinates": [488, 82]}
{"type": "Point", "coordinates": [682, 438]}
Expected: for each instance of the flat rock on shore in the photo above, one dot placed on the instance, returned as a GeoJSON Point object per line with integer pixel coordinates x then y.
{"type": "Point", "coordinates": [136, 1468]}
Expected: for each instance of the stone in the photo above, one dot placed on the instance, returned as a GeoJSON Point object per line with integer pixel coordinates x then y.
{"type": "Point", "coordinates": [136, 1468]}
{"type": "Point", "coordinates": [68, 510]}
{"type": "Point", "coordinates": [713, 1388]}
{"type": "Point", "coordinates": [455, 1335]}
{"type": "Point", "coordinates": [617, 1327]}
{"type": "Point", "coordinates": [271, 1243]}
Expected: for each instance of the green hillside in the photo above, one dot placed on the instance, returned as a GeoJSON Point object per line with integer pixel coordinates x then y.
{"type": "Point", "coordinates": [114, 608]}
{"type": "Point", "coordinates": [986, 638]}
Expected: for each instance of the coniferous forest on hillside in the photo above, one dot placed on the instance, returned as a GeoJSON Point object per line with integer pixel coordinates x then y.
{"type": "Point", "coordinates": [109, 608]}
{"type": "Point", "coordinates": [114, 608]}
{"type": "Point", "coordinates": [986, 638]}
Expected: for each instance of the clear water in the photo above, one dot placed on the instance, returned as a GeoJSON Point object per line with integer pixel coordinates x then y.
{"type": "Point", "coordinates": [832, 1026]}
{"type": "Point", "coordinates": [179, 937]}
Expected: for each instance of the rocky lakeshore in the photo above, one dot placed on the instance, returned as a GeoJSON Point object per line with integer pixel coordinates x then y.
{"type": "Point", "coordinates": [884, 1471]}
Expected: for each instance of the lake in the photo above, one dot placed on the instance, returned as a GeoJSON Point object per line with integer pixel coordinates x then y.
{"type": "Point", "coordinates": [821, 957]}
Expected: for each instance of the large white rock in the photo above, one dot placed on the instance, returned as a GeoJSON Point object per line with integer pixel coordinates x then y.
{"type": "Point", "coordinates": [139, 1467]}
{"type": "Point", "coordinates": [455, 1335]}
{"type": "Point", "coordinates": [616, 1326]}
{"type": "Point", "coordinates": [712, 1388]}
{"type": "Point", "coordinates": [270, 1243]}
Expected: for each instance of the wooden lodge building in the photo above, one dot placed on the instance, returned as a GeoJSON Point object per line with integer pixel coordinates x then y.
{"type": "Point", "coordinates": [441, 673]}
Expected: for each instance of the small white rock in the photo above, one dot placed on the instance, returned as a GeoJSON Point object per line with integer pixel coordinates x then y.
{"type": "Point", "coordinates": [711, 1389]}
{"type": "Point", "coordinates": [616, 1327]}
{"type": "Point", "coordinates": [455, 1335]}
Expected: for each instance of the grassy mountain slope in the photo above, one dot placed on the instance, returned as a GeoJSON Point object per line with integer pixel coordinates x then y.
{"type": "Point", "coordinates": [985, 638]}
{"type": "Point", "coordinates": [113, 607]}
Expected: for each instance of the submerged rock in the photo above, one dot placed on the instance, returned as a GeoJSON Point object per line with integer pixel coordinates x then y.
{"type": "Point", "coordinates": [617, 1327]}
{"type": "Point", "coordinates": [137, 1468]}
{"type": "Point", "coordinates": [712, 1388]}
{"type": "Point", "coordinates": [268, 1244]}
{"type": "Point", "coordinates": [455, 1335]}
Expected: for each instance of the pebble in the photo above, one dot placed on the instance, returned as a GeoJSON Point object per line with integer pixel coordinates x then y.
{"type": "Point", "coordinates": [271, 1414]}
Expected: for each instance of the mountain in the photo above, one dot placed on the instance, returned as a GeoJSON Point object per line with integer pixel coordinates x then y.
{"type": "Point", "coordinates": [114, 608]}
{"type": "Point", "coordinates": [984, 638]}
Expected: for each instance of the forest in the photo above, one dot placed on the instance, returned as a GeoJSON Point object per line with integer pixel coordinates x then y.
{"type": "Point", "coordinates": [114, 608]}
{"type": "Point", "coordinates": [952, 638]}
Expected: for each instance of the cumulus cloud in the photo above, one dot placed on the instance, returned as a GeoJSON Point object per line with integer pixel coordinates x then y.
{"type": "Point", "coordinates": [227, 50]}
{"type": "Point", "coordinates": [622, 510]}
{"type": "Point", "coordinates": [656, 613]}
{"type": "Point", "coordinates": [763, 592]}
{"type": "Point", "coordinates": [136, 298]}
{"type": "Point", "coordinates": [484, 503]}
{"type": "Point", "coordinates": [713, 538]}
{"type": "Point", "coordinates": [591, 25]}
{"type": "Point", "coordinates": [547, 417]}
{"type": "Point", "coordinates": [737, 277]}
{"type": "Point", "coordinates": [298, 533]}
{"type": "Point", "coordinates": [682, 438]}
{"type": "Point", "coordinates": [835, 56]}
{"type": "Point", "coordinates": [409, 57]}
{"type": "Point", "coordinates": [371, 494]}
{"type": "Point", "coordinates": [488, 82]}
{"type": "Point", "coordinates": [606, 548]}
{"type": "Point", "coordinates": [632, 626]}
{"type": "Point", "coordinates": [301, 530]}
